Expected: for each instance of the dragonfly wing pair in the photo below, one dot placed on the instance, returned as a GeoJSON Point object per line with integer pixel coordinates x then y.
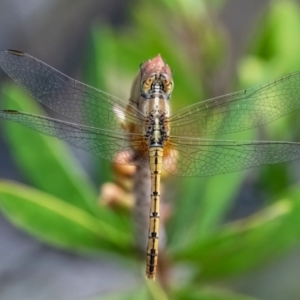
{"type": "Point", "coordinates": [96, 121]}
{"type": "Point", "coordinates": [239, 111]}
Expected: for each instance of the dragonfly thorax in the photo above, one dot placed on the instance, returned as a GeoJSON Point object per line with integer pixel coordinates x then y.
{"type": "Point", "coordinates": [156, 129]}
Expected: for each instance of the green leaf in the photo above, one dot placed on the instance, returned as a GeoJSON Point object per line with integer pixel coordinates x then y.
{"type": "Point", "coordinates": [276, 44]}
{"type": "Point", "coordinates": [58, 222]}
{"type": "Point", "coordinates": [208, 293]}
{"type": "Point", "coordinates": [203, 203]}
{"type": "Point", "coordinates": [45, 161]}
{"type": "Point", "coordinates": [202, 206]}
{"type": "Point", "coordinates": [245, 244]}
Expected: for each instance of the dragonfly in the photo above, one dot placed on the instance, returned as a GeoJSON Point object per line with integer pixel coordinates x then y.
{"type": "Point", "coordinates": [143, 132]}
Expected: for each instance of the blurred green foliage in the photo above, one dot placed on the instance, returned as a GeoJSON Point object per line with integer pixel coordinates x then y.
{"type": "Point", "coordinates": [62, 208]}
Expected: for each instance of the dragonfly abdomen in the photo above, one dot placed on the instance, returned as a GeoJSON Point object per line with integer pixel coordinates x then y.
{"type": "Point", "coordinates": [155, 161]}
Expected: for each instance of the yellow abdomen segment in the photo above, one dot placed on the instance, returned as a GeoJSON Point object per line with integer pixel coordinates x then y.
{"type": "Point", "coordinates": [155, 160]}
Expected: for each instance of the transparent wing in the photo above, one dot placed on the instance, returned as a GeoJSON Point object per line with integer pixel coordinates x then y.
{"type": "Point", "coordinates": [203, 157]}
{"type": "Point", "coordinates": [111, 145]}
{"type": "Point", "coordinates": [239, 111]}
{"type": "Point", "coordinates": [70, 98]}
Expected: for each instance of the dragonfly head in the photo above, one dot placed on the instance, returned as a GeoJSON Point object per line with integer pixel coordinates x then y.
{"type": "Point", "coordinates": [156, 78]}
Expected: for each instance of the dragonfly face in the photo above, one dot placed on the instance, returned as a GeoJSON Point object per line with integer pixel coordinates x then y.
{"type": "Point", "coordinates": [144, 133]}
{"type": "Point", "coordinates": [156, 78]}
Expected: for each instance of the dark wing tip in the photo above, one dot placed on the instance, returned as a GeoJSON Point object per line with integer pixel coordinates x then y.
{"type": "Point", "coordinates": [15, 52]}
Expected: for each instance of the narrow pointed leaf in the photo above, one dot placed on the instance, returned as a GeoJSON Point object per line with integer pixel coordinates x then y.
{"type": "Point", "coordinates": [58, 222]}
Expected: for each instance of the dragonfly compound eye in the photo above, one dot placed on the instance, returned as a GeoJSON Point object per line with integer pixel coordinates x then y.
{"type": "Point", "coordinates": [168, 86]}
{"type": "Point", "coordinates": [147, 84]}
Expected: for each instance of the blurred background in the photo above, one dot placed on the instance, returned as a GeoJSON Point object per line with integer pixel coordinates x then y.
{"type": "Point", "coordinates": [241, 231]}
